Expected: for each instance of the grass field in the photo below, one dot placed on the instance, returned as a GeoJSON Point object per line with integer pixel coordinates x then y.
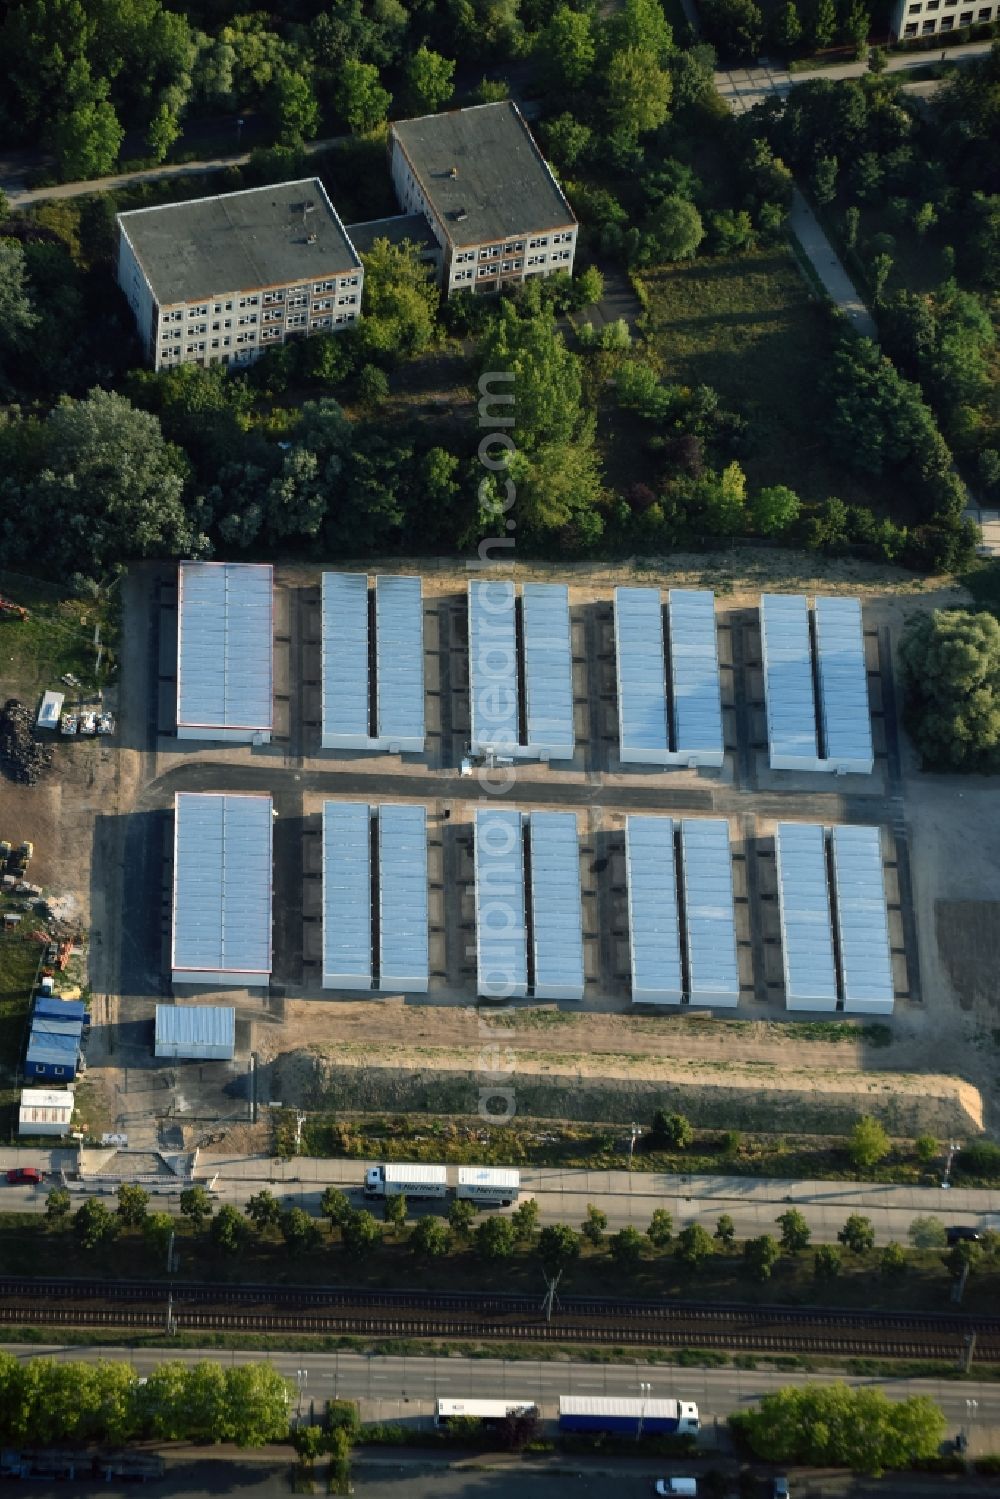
{"type": "Point", "coordinates": [749, 326]}
{"type": "Point", "coordinates": [18, 963]}
{"type": "Point", "coordinates": [57, 637]}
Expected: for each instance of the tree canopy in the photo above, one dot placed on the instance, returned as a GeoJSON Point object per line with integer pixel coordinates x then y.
{"type": "Point", "coordinates": [834, 1425]}
{"type": "Point", "coordinates": [951, 679]}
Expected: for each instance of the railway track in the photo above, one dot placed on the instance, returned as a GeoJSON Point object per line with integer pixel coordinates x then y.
{"type": "Point", "coordinates": [355, 1312]}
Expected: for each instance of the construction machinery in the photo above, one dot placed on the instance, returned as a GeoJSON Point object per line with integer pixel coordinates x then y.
{"type": "Point", "coordinates": [14, 611]}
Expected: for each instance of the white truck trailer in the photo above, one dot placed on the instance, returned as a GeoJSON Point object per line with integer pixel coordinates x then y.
{"type": "Point", "coordinates": [491, 1186]}
{"type": "Point", "coordinates": [398, 1180]}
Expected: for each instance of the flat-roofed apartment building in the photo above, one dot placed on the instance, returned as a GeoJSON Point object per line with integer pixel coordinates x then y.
{"type": "Point", "coordinates": [219, 280]}
{"type": "Point", "coordinates": [487, 193]}
{"type": "Point", "coordinates": [913, 18]}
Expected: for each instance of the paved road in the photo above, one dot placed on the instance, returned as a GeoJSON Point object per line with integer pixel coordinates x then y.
{"type": "Point", "coordinates": [626, 1197]}
{"type": "Point", "coordinates": [743, 87]}
{"type": "Point", "coordinates": [837, 283]}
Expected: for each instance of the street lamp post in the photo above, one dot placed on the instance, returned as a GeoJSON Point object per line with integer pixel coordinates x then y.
{"type": "Point", "coordinates": [301, 1380]}
{"type": "Point", "coordinates": [644, 1390]}
{"type": "Point", "coordinates": [636, 1132]}
{"type": "Point", "coordinates": [971, 1407]}
{"type": "Point", "coordinates": [953, 1150]}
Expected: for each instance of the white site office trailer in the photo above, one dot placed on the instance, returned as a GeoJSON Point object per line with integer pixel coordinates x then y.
{"type": "Point", "coordinates": [862, 920]}
{"type": "Point", "coordinates": [643, 737]}
{"type": "Point", "coordinates": [654, 937]}
{"type": "Point", "coordinates": [843, 686]}
{"type": "Point", "coordinates": [403, 898]}
{"type": "Point", "coordinates": [806, 927]}
{"type": "Point", "coordinates": [694, 676]}
{"type": "Point", "coordinates": [556, 906]}
{"type": "Point", "coordinates": [225, 666]}
{"type": "Point", "coordinates": [221, 924]}
{"type": "Point", "coordinates": [709, 912]}
{"type": "Point", "coordinates": [501, 927]}
{"type": "Point", "coordinates": [347, 896]}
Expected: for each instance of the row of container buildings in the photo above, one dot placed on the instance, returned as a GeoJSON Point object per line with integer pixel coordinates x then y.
{"type": "Point", "coordinates": [521, 693]}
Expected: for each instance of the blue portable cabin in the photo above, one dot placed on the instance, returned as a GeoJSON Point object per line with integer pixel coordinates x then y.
{"type": "Point", "coordinates": [61, 1009]}
{"type": "Point", "coordinates": [624, 1414]}
{"type": "Point", "coordinates": [54, 1048]}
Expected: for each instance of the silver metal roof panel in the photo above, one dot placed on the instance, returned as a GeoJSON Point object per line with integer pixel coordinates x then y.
{"type": "Point", "coordinates": [862, 920]}
{"type": "Point", "coordinates": [493, 706]}
{"type": "Point", "coordinates": [556, 905]}
{"type": "Point", "coordinates": [652, 910]}
{"type": "Point", "coordinates": [402, 865]}
{"type": "Point", "coordinates": [345, 686]}
{"type": "Point", "coordinates": [191, 1030]}
{"type": "Point", "coordinates": [641, 668]}
{"type": "Point", "coordinates": [694, 674]}
{"type": "Point", "coordinates": [347, 896]}
{"type": "Point", "coordinates": [709, 914]}
{"type": "Point", "coordinates": [399, 662]}
{"type": "Point", "coordinates": [222, 888]}
{"type": "Point", "coordinates": [548, 669]}
{"type": "Point", "coordinates": [788, 682]}
{"type": "Point", "coordinates": [843, 685]}
{"type": "Point", "coordinates": [225, 637]}
{"type": "Point", "coordinates": [501, 931]}
{"type": "Point", "coordinates": [806, 932]}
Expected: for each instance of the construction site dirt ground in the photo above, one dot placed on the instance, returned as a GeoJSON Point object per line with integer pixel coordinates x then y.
{"type": "Point", "coordinates": [97, 821]}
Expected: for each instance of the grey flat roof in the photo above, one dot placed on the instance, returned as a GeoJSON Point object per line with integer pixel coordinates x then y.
{"type": "Point", "coordinates": [501, 183]}
{"type": "Point", "coordinates": [804, 903]}
{"type": "Point", "coordinates": [862, 920]}
{"type": "Point", "coordinates": [654, 940]}
{"type": "Point", "coordinates": [207, 247]}
{"type": "Point", "coordinates": [344, 633]}
{"type": "Point", "coordinates": [709, 914]}
{"type": "Point", "coordinates": [493, 706]}
{"type": "Point", "coordinates": [397, 229]}
{"type": "Point", "coordinates": [843, 684]}
{"type": "Point", "coordinates": [224, 645]}
{"type": "Point", "coordinates": [548, 669]}
{"type": "Point", "coordinates": [642, 687]}
{"type": "Point", "coordinates": [347, 895]}
{"type": "Point", "coordinates": [402, 864]}
{"type": "Point", "coordinates": [788, 681]}
{"type": "Point", "coordinates": [399, 660]}
{"type": "Point", "coordinates": [694, 669]}
{"type": "Point", "coordinates": [556, 905]}
{"type": "Point", "coordinates": [222, 884]}
{"type": "Point", "coordinates": [501, 930]}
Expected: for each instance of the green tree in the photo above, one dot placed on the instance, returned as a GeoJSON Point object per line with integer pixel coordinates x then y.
{"type": "Point", "coordinates": [18, 318]}
{"type": "Point", "coordinates": [787, 27]}
{"type": "Point", "coordinates": [641, 24]}
{"type": "Point", "coordinates": [638, 92]}
{"type": "Point", "coordinates": [773, 510]}
{"type": "Point", "coordinates": [881, 267]}
{"type": "Point", "coordinates": [833, 1425]}
{"type": "Point", "coordinates": [735, 26]}
{"type": "Point", "coordinates": [671, 1131]}
{"type": "Point", "coordinates": [292, 106]}
{"type": "Point", "coordinates": [852, 225]}
{"type": "Point", "coordinates": [823, 179]}
{"type": "Point", "coordinates": [675, 229]}
{"type": "Point", "coordinates": [196, 1204]}
{"type": "Point", "coordinates": [878, 60]}
{"type": "Point", "coordinates": [336, 1206]}
{"type": "Point", "coordinates": [951, 679]}
{"type": "Point", "coordinates": [857, 1234]}
{"type": "Point", "coordinates": [400, 303]}
{"type": "Point", "coordinates": [494, 1239]}
{"type": "Point", "coordinates": [430, 80]}
{"type": "Point", "coordinates": [795, 1230]}
{"type": "Point", "coordinates": [86, 139]}
{"type": "Point", "coordinates": [257, 1402]}
{"type": "Point", "coordinates": [826, 1262]}
{"type": "Point", "coordinates": [299, 1230]}
{"type": "Point", "coordinates": [361, 1234]}
{"type": "Point", "coordinates": [661, 1228]}
{"type": "Point", "coordinates": [694, 1244]}
{"type": "Point", "coordinates": [524, 1220]}
{"type": "Point", "coordinates": [761, 1255]}
{"type": "Point", "coordinates": [430, 1238]}
{"type": "Point", "coordinates": [725, 1230]}
{"type": "Point", "coordinates": [228, 1231]}
{"type": "Point", "coordinates": [928, 1149]}
{"type": "Point", "coordinates": [263, 1210]}
{"type": "Point", "coordinates": [361, 100]}
{"type": "Point", "coordinates": [593, 1225]}
{"type": "Point", "coordinates": [856, 28]}
{"type": "Point", "coordinates": [461, 1217]}
{"type": "Point", "coordinates": [164, 128]}
{"type": "Point", "coordinates": [566, 49]}
{"type": "Point", "coordinates": [868, 1143]}
{"type": "Point", "coordinates": [394, 1212]}
{"type": "Point", "coordinates": [58, 1205]}
{"type": "Point", "coordinates": [892, 1261]}
{"type": "Point", "coordinates": [626, 1247]}
{"type": "Point", "coordinates": [824, 23]}
{"type": "Point", "coordinates": [558, 1247]}
{"type": "Point", "coordinates": [94, 1224]}
{"type": "Point", "coordinates": [567, 141]}
{"type": "Point", "coordinates": [133, 1202]}
{"type": "Point", "coordinates": [157, 1229]}
{"type": "Point", "coordinates": [927, 1232]}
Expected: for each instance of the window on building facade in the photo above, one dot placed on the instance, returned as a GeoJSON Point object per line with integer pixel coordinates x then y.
{"type": "Point", "coordinates": [270, 333]}
{"type": "Point", "coordinates": [536, 244]}
{"type": "Point", "coordinates": [296, 319]}
{"type": "Point", "coordinates": [910, 29]}
{"type": "Point", "coordinates": [323, 304]}
{"type": "Point", "coordinates": [321, 322]}
{"type": "Point", "coordinates": [947, 23]}
{"type": "Point", "coordinates": [933, 4]}
{"type": "Point", "coordinates": [986, 13]}
{"type": "Point", "coordinates": [352, 281]}
{"type": "Point", "coordinates": [271, 297]}
{"type": "Point", "coordinates": [965, 19]}
{"type": "Point", "coordinates": [249, 301]}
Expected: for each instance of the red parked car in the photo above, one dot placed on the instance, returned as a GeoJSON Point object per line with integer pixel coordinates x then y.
{"type": "Point", "coordinates": [29, 1174]}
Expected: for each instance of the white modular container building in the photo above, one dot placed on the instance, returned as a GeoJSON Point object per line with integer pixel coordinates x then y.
{"type": "Point", "coordinates": [804, 904]}
{"type": "Point", "coordinates": [501, 928]}
{"type": "Point", "coordinates": [346, 722]}
{"type": "Point", "coordinates": [843, 686]}
{"type": "Point", "coordinates": [862, 921]}
{"type": "Point", "coordinates": [399, 664]}
{"type": "Point", "coordinates": [641, 669]}
{"type": "Point", "coordinates": [347, 896]}
{"type": "Point", "coordinates": [195, 1032]}
{"type": "Point", "coordinates": [45, 1111]}
{"type": "Point", "coordinates": [556, 906]}
{"type": "Point", "coordinates": [50, 711]}
{"type": "Point", "coordinates": [403, 898]}
{"type": "Point", "coordinates": [788, 682]}
{"type": "Point", "coordinates": [548, 671]}
{"type": "Point", "coordinates": [709, 912]}
{"type": "Point", "coordinates": [493, 1185]}
{"type": "Point", "coordinates": [225, 651]}
{"type": "Point", "coordinates": [221, 926]}
{"type": "Point", "coordinates": [654, 938]}
{"type": "Point", "coordinates": [694, 675]}
{"type": "Point", "coordinates": [493, 697]}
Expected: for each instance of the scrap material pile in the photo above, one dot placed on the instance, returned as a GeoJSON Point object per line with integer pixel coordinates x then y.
{"type": "Point", "coordinates": [21, 756]}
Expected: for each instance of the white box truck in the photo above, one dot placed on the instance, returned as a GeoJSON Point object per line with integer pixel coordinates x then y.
{"type": "Point", "coordinates": [397, 1180]}
{"type": "Point", "coordinates": [490, 1186]}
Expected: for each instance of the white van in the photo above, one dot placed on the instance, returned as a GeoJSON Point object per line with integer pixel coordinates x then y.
{"type": "Point", "coordinates": [679, 1486]}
